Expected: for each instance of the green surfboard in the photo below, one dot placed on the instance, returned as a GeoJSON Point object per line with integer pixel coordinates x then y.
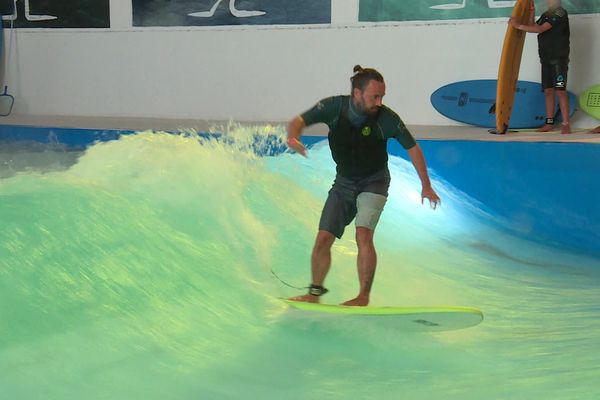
{"type": "Point", "coordinates": [427, 318]}
{"type": "Point", "coordinates": [589, 101]}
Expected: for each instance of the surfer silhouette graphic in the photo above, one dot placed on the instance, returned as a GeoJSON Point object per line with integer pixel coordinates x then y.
{"type": "Point", "coordinates": [232, 9]}
{"type": "Point", "coordinates": [28, 16]}
{"type": "Point", "coordinates": [463, 4]}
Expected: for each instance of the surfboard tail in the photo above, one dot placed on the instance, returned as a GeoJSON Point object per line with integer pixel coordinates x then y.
{"type": "Point", "coordinates": [498, 132]}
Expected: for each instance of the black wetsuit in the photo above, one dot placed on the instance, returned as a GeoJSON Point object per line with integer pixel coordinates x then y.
{"type": "Point", "coordinates": [554, 48]}
{"type": "Point", "coordinates": [358, 144]}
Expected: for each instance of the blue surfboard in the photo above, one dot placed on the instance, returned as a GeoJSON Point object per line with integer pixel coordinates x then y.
{"type": "Point", "coordinates": [473, 102]}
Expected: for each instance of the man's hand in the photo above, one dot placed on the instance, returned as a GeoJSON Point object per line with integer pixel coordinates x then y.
{"type": "Point", "coordinates": [297, 146]}
{"type": "Point", "coordinates": [294, 130]}
{"type": "Point", "coordinates": [513, 23]}
{"type": "Point", "coordinates": [431, 195]}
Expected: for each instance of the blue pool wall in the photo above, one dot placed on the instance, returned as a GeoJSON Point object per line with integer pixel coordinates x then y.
{"type": "Point", "coordinates": [70, 138]}
{"type": "Point", "coordinates": [547, 192]}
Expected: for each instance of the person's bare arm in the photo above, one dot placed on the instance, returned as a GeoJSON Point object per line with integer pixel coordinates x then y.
{"type": "Point", "coordinates": [294, 131]}
{"type": "Point", "coordinates": [533, 28]}
{"type": "Point", "coordinates": [427, 192]}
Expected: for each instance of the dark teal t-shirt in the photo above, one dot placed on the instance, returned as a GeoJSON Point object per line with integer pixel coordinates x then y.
{"type": "Point", "coordinates": [389, 124]}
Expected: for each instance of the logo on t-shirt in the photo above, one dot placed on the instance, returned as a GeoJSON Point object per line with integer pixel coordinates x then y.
{"type": "Point", "coordinates": [366, 131]}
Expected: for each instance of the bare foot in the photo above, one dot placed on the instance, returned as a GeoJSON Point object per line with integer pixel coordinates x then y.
{"type": "Point", "coordinates": [546, 128]}
{"type": "Point", "coordinates": [566, 129]}
{"type": "Point", "coordinates": [358, 301]}
{"type": "Point", "coordinates": [307, 298]}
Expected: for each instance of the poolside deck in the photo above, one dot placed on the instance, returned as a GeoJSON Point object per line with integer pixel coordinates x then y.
{"type": "Point", "coordinates": [454, 132]}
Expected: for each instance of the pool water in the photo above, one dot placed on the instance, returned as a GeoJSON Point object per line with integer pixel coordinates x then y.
{"type": "Point", "coordinates": [141, 268]}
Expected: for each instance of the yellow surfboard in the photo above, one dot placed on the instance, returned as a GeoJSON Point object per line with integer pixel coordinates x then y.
{"type": "Point", "coordinates": [427, 318]}
{"type": "Point", "coordinates": [510, 63]}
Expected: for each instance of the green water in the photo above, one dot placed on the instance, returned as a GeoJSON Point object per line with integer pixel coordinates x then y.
{"type": "Point", "coordinates": [141, 270]}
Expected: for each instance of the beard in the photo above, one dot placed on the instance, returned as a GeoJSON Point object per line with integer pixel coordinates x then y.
{"type": "Point", "coordinates": [366, 110]}
{"type": "Point", "coordinates": [371, 111]}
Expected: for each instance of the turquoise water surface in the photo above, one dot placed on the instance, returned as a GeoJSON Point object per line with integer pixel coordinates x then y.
{"type": "Point", "coordinates": [141, 269]}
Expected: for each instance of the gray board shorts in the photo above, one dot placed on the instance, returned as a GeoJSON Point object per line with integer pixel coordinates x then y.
{"type": "Point", "coordinates": [348, 199]}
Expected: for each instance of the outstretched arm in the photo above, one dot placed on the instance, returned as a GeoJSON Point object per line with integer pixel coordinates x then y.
{"type": "Point", "coordinates": [294, 131]}
{"type": "Point", "coordinates": [427, 192]}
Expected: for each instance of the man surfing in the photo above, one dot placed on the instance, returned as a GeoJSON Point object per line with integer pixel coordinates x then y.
{"type": "Point", "coordinates": [359, 127]}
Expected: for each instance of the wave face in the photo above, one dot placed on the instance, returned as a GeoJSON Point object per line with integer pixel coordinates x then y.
{"type": "Point", "coordinates": [142, 269]}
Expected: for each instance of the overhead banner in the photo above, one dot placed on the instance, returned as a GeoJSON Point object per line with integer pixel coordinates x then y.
{"type": "Point", "coordinates": [230, 12]}
{"type": "Point", "coordinates": [56, 13]}
{"type": "Point", "coordinates": [431, 10]}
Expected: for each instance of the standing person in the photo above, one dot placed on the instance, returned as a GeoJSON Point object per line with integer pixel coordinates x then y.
{"type": "Point", "coordinates": [359, 126]}
{"type": "Point", "coordinates": [554, 47]}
